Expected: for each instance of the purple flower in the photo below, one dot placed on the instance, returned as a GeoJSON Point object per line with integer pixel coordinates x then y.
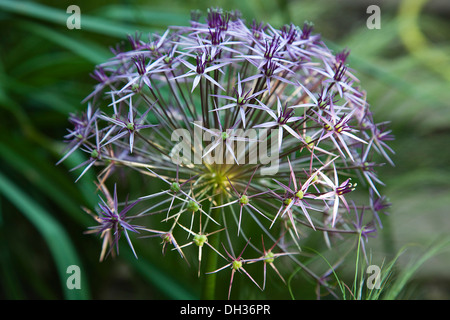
{"type": "Point", "coordinates": [337, 129]}
{"type": "Point", "coordinates": [200, 70]}
{"type": "Point", "coordinates": [249, 129]}
{"type": "Point", "coordinates": [115, 221]}
{"type": "Point", "coordinates": [241, 100]}
{"type": "Point", "coordinates": [237, 264]}
{"type": "Point", "coordinates": [296, 197]}
{"type": "Point", "coordinates": [142, 71]}
{"type": "Point", "coordinates": [281, 119]}
{"type": "Point", "coordinates": [83, 130]}
{"type": "Point", "coordinates": [378, 205]}
{"type": "Point", "coordinates": [130, 126]}
{"type": "Point", "coordinates": [338, 193]}
{"type": "Point", "coordinates": [167, 238]}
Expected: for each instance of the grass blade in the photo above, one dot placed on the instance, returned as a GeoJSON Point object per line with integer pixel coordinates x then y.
{"type": "Point", "coordinates": [407, 273]}
{"type": "Point", "coordinates": [88, 23]}
{"type": "Point", "coordinates": [88, 50]}
{"type": "Point", "coordinates": [55, 236]}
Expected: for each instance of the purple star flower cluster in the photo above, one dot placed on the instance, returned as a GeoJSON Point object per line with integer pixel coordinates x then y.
{"type": "Point", "coordinates": [241, 132]}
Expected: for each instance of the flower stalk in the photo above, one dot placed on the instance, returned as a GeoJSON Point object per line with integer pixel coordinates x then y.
{"type": "Point", "coordinates": [209, 283]}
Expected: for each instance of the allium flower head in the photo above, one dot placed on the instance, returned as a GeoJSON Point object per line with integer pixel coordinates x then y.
{"type": "Point", "coordinates": [240, 131]}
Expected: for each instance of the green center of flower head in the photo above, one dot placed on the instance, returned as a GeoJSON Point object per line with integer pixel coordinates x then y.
{"type": "Point", "coordinates": [269, 257]}
{"type": "Point", "coordinates": [287, 201]}
{"type": "Point", "coordinates": [299, 194]}
{"type": "Point", "coordinates": [193, 206]}
{"type": "Point", "coordinates": [167, 238]}
{"type": "Point", "coordinates": [225, 136]}
{"type": "Point", "coordinates": [175, 187]}
{"type": "Point", "coordinates": [308, 141]}
{"type": "Point", "coordinates": [79, 136]}
{"type": "Point", "coordinates": [315, 178]}
{"type": "Point", "coordinates": [244, 199]}
{"type": "Point", "coordinates": [217, 179]}
{"type": "Point", "coordinates": [236, 264]}
{"type": "Point", "coordinates": [130, 126]}
{"type": "Point", "coordinates": [135, 87]}
{"type": "Point", "coordinates": [168, 60]}
{"type": "Point", "coordinates": [94, 154]}
{"type": "Point", "coordinates": [200, 239]}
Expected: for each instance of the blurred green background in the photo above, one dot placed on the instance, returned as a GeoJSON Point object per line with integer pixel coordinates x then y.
{"type": "Point", "coordinates": [44, 74]}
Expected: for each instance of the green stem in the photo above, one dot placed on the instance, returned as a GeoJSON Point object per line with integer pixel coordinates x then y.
{"type": "Point", "coordinates": [209, 282]}
{"type": "Point", "coordinates": [355, 284]}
